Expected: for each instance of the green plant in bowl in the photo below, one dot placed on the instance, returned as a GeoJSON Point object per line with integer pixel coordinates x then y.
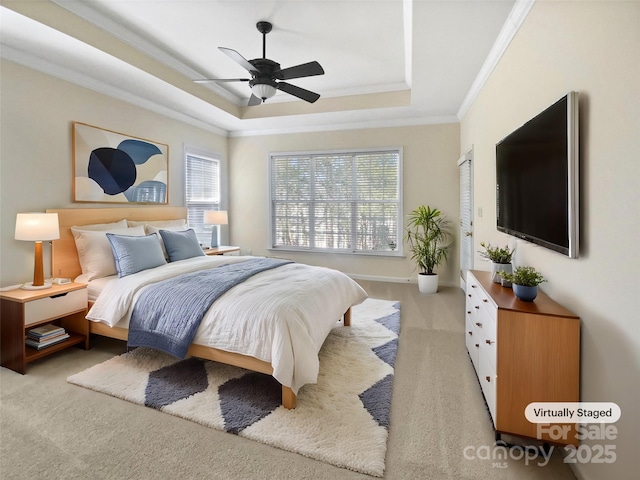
{"type": "Point", "coordinates": [525, 282]}
{"type": "Point", "coordinates": [525, 276]}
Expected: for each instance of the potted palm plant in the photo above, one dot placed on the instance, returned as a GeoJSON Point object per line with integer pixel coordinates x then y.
{"type": "Point", "coordinates": [525, 282]}
{"type": "Point", "coordinates": [500, 259]}
{"type": "Point", "coordinates": [428, 234]}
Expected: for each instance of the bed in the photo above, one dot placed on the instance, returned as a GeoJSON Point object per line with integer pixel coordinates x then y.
{"type": "Point", "coordinates": [299, 312]}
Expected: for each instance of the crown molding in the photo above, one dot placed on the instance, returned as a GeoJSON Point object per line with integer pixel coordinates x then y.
{"type": "Point", "coordinates": [386, 123]}
{"type": "Point", "coordinates": [86, 81]}
{"type": "Point", "coordinates": [126, 32]}
{"type": "Point", "coordinates": [73, 76]}
{"type": "Point", "coordinates": [515, 19]}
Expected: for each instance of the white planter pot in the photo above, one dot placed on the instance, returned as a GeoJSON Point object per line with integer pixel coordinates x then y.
{"type": "Point", "coordinates": [500, 267]}
{"type": "Point", "coordinates": [428, 283]}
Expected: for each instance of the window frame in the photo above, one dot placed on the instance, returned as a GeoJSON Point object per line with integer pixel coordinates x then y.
{"type": "Point", "coordinates": [203, 232]}
{"type": "Point", "coordinates": [398, 252]}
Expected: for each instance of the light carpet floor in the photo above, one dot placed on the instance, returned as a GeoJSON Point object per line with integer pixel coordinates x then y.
{"type": "Point", "coordinates": [342, 420]}
{"type": "Point", "coordinates": [52, 429]}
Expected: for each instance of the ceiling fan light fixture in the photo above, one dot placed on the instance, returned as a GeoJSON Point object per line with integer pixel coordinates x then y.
{"type": "Point", "coordinates": [263, 90]}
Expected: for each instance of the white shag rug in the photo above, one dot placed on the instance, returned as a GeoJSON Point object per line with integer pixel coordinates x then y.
{"type": "Point", "coordinates": [342, 420]}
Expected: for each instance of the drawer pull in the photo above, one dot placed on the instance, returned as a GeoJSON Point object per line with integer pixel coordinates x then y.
{"type": "Point", "coordinates": [468, 312]}
{"type": "Point", "coordinates": [478, 324]}
{"type": "Point", "coordinates": [471, 333]}
{"type": "Point", "coordinates": [488, 378]}
{"type": "Point", "coordinates": [488, 342]}
{"type": "Point", "coordinates": [469, 295]}
{"type": "Point", "coordinates": [473, 286]}
{"type": "Point", "coordinates": [485, 300]}
{"type": "Point", "coordinates": [477, 307]}
{"type": "Point", "coordinates": [59, 295]}
{"type": "Point", "coordinates": [477, 345]}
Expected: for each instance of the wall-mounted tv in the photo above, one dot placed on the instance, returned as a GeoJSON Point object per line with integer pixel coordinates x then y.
{"type": "Point", "coordinates": [537, 173]}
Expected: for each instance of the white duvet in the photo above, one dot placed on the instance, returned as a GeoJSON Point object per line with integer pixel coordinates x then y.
{"type": "Point", "coordinates": [281, 316]}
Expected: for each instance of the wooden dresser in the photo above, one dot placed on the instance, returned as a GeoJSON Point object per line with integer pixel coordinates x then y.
{"type": "Point", "coordinates": [522, 352]}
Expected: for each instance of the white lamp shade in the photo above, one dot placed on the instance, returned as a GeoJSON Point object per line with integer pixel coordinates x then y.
{"type": "Point", "coordinates": [263, 90]}
{"type": "Point", "coordinates": [37, 227]}
{"type": "Point", "coordinates": [215, 217]}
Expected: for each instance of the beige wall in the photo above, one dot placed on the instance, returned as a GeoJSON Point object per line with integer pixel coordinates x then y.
{"type": "Point", "coordinates": [430, 177]}
{"type": "Point", "coordinates": [591, 47]}
{"type": "Point", "coordinates": [36, 159]}
{"type": "Point", "coordinates": [36, 152]}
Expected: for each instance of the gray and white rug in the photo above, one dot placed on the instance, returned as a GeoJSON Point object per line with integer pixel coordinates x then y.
{"type": "Point", "coordinates": [342, 420]}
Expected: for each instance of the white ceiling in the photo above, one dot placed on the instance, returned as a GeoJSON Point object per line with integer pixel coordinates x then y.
{"type": "Point", "coordinates": [386, 62]}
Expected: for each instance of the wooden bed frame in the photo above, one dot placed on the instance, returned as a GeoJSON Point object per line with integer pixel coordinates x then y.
{"type": "Point", "coordinates": [65, 263]}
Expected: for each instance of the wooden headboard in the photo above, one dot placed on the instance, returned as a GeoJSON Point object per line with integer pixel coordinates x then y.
{"type": "Point", "coordinates": [64, 256]}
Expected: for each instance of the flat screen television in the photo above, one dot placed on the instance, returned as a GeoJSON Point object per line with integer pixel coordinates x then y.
{"type": "Point", "coordinates": [537, 175]}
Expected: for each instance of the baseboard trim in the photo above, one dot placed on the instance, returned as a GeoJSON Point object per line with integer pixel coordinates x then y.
{"type": "Point", "coordinates": [378, 278]}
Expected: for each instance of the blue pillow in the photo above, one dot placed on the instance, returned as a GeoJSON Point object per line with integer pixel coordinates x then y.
{"type": "Point", "coordinates": [181, 245]}
{"type": "Point", "coordinates": [134, 254]}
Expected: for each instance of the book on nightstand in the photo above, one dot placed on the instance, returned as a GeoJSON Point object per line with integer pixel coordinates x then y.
{"type": "Point", "coordinates": [45, 336]}
{"type": "Point", "coordinates": [45, 331]}
{"type": "Point", "coordinates": [39, 345]}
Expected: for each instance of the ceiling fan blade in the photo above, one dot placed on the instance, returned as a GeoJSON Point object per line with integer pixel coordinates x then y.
{"type": "Point", "coordinates": [205, 80]}
{"type": "Point", "coordinates": [298, 92]}
{"type": "Point", "coordinates": [303, 70]}
{"type": "Point", "coordinates": [253, 101]}
{"type": "Point", "coordinates": [236, 57]}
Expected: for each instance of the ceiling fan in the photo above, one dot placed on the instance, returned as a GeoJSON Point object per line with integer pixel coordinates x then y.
{"type": "Point", "coordinates": [267, 76]}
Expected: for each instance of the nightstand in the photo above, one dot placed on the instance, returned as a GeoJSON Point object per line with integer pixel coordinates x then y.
{"type": "Point", "coordinates": [222, 250]}
{"type": "Point", "coordinates": [63, 305]}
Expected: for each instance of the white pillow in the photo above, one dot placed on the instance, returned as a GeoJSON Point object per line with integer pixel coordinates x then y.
{"type": "Point", "coordinates": [77, 231]}
{"type": "Point", "coordinates": [100, 226]}
{"type": "Point", "coordinates": [94, 251]}
{"type": "Point", "coordinates": [181, 222]}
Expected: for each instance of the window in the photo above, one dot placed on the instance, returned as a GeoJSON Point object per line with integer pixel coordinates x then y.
{"type": "Point", "coordinates": [345, 201]}
{"type": "Point", "coordinates": [202, 191]}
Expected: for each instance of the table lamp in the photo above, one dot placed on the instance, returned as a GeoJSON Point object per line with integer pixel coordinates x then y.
{"type": "Point", "coordinates": [215, 218]}
{"type": "Point", "coordinates": [37, 227]}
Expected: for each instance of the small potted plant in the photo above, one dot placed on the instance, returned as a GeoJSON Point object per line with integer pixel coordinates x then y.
{"type": "Point", "coordinates": [500, 259]}
{"type": "Point", "coordinates": [429, 236]}
{"type": "Point", "coordinates": [525, 282]}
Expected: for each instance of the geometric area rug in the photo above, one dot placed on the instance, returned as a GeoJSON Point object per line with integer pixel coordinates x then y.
{"type": "Point", "coordinates": [343, 419]}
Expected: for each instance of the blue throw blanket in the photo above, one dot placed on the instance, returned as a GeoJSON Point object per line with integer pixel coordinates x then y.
{"type": "Point", "coordinates": [167, 315]}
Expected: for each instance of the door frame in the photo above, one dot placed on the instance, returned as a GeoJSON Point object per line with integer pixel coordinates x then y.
{"type": "Point", "coordinates": [468, 234]}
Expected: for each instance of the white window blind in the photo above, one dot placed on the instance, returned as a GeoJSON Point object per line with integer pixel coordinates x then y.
{"type": "Point", "coordinates": [339, 201]}
{"type": "Point", "coordinates": [202, 192]}
{"type": "Point", "coordinates": [466, 217]}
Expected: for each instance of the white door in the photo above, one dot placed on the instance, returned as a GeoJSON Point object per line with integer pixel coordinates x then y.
{"type": "Point", "coordinates": [466, 215]}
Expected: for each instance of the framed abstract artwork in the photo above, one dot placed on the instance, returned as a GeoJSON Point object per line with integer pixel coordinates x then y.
{"type": "Point", "coordinates": [110, 167]}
